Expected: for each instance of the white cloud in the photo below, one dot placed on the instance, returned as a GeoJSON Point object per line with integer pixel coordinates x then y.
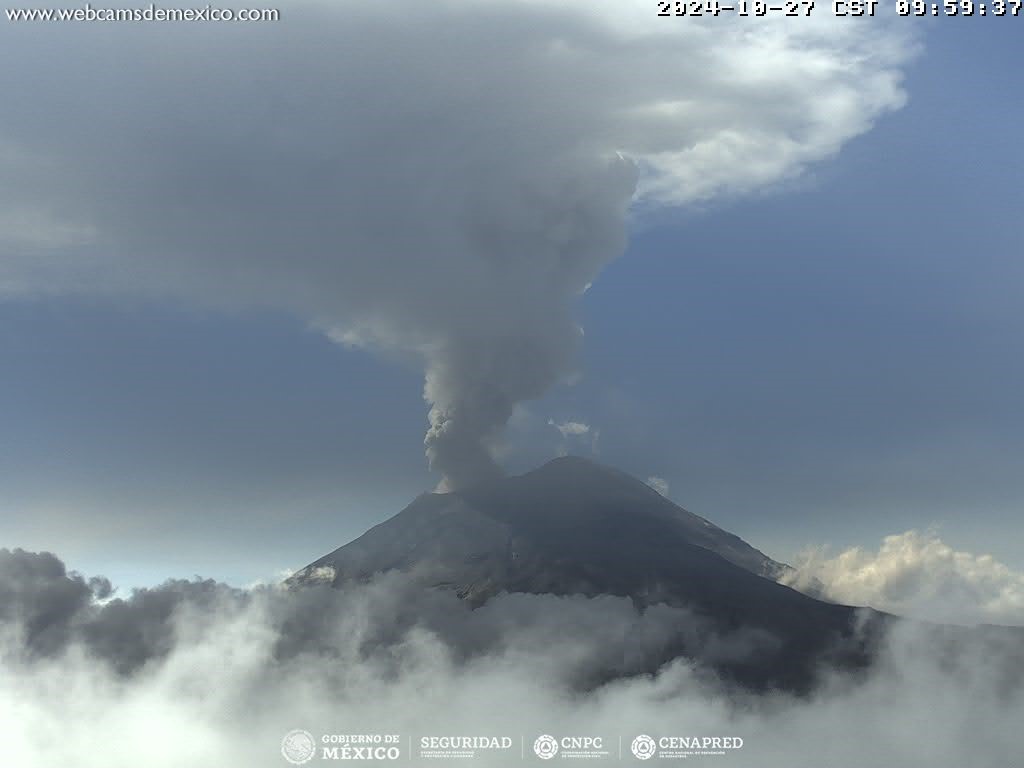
{"type": "Point", "coordinates": [917, 574]}
{"type": "Point", "coordinates": [659, 484]}
{"type": "Point", "coordinates": [578, 431]}
{"type": "Point", "coordinates": [196, 674]}
{"type": "Point", "coordinates": [570, 428]}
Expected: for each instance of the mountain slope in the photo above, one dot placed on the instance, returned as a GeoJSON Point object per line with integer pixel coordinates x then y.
{"type": "Point", "coordinates": [575, 527]}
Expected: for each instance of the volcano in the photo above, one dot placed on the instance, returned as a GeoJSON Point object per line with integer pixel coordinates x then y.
{"type": "Point", "coordinates": [575, 527]}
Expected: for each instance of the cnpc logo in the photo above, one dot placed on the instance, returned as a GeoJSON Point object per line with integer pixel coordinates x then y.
{"type": "Point", "coordinates": [547, 746]}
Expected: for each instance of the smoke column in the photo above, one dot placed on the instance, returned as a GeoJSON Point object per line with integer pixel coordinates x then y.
{"type": "Point", "coordinates": [435, 182]}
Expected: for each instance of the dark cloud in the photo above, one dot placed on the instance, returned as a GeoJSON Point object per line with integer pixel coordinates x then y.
{"type": "Point", "coordinates": [42, 598]}
{"type": "Point", "coordinates": [201, 674]}
{"type": "Point", "coordinates": [59, 610]}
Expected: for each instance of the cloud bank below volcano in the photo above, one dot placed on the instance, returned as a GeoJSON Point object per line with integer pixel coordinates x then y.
{"type": "Point", "coordinates": [197, 673]}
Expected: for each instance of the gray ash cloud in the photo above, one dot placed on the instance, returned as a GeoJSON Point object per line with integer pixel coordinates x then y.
{"type": "Point", "coordinates": [438, 183]}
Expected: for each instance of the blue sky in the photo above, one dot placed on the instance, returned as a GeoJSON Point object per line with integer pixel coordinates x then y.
{"type": "Point", "coordinates": [842, 359]}
{"type": "Point", "coordinates": [829, 359]}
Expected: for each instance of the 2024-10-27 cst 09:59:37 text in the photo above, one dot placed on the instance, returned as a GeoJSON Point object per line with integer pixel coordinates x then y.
{"type": "Point", "coordinates": [961, 8]}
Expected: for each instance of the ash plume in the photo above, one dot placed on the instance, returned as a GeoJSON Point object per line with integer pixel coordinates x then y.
{"type": "Point", "coordinates": [437, 183]}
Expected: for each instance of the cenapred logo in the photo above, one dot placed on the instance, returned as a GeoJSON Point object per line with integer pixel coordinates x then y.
{"type": "Point", "coordinates": [298, 746]}
{"type": "Point", "coordinates": [644, 747]}
{"type": "Point", "coordinates": [545, 747]}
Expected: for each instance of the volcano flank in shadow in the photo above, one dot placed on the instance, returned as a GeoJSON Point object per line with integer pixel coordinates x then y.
{"type": "Point", "coordinates": [574, 527]}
